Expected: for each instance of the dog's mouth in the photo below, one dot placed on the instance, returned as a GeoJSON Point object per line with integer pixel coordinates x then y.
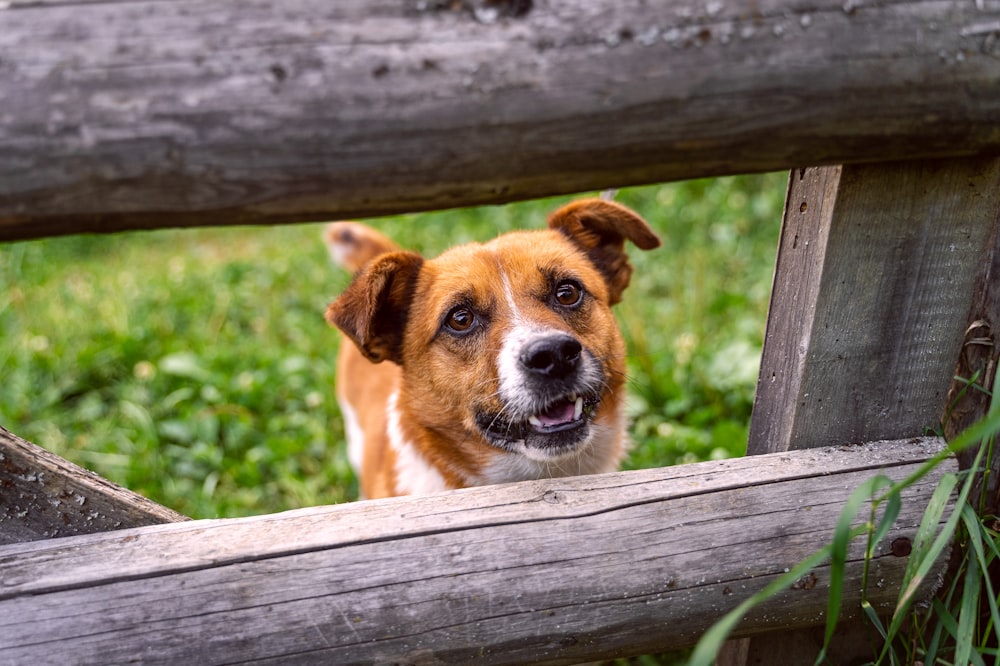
{"type": "Point", "coordinates": [556, 428]}
{"type": "Point", "coordinates": [564, 413]}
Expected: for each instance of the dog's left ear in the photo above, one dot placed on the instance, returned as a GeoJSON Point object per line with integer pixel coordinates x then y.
{"type": "Point", "coordinates": [600, 228]}
{"type": "Point", "coordinates": [374, 308]}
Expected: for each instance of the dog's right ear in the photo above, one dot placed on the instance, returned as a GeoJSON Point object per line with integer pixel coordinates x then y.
{"type": "Point", "coordinates": [373, 309]}
{"type": "Point", "coordinates": [600, 228]}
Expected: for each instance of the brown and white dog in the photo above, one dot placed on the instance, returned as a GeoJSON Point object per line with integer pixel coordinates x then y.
{"type": "Point", "coordinates": [505, 362]}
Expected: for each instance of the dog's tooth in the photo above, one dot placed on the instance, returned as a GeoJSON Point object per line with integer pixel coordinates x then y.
{"type": "Point", "coordinates": [578, 409]}
{"type": "Point", "coordinates": [533, 420]}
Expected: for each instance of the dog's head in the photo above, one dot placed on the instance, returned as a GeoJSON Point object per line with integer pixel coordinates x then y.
{"type": "Point", "coordinates": [510, 344]}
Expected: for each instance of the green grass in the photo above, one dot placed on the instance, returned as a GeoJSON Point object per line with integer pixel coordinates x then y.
{"type": "Point", "coordinates": [195, 367]}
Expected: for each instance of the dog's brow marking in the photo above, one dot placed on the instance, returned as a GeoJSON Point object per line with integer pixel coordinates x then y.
{"type": "Point", "coordinates": [414, 475]}
{"type": "Point", "coordinates": [508, 292]}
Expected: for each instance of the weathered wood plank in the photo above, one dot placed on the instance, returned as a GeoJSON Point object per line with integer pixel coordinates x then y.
{"type": "Point", "coordinates": [43, 496]}
{"type": "Point", "coordinates": [872, 290]}
{"type": "Point", "coordinates": [552, 571]}
{"type": "Point", "coordinates": [148, 113]}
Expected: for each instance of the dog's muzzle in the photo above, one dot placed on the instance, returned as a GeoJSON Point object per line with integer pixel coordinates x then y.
{"type": "Point", "coordinates": [550, 396]}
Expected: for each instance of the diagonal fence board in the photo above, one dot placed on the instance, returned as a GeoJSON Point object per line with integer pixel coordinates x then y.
{"type": "Point", "coordinates": [552, 571]}
{"type": "Point", "coordinates": [43, 496]}
{"type": "Point", "coordinates": [149, 113]}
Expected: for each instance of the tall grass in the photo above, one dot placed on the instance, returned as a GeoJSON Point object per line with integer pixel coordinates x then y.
{"type": "Point", "coordinates": [195, 366]}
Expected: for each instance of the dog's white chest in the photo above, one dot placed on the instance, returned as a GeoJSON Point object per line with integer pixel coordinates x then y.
{"type": "Point", "coordinates": [414, 475]}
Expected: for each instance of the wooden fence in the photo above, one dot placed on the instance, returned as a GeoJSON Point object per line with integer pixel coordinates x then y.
{"type": "Point", "coordinates": [149, 113]}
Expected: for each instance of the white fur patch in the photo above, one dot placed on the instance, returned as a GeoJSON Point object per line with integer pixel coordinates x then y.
{"type": "Point", "coordinates": [355, 436]}
{"type": "Point", "coordinates": [509, 371]}
{"type": "Point", "coordinates": [414, 475]}
{"type": "Point", "coordinates": [508, 292]}
{"type": "Point", "coordinates": [338, 253]}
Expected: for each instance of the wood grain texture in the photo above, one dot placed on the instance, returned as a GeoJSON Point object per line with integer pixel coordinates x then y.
{"type": "Point", "coordinates": [123, 114]}
{"type": "Point", "coordinates": [874, 283]}
{"type": "Point", "coordinates": [43, 496]}
{"type": "Point", "coordinates": [553, 571]}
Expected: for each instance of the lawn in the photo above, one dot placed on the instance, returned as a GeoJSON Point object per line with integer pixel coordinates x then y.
{"type": "Point", "coordinates": [195, 366]}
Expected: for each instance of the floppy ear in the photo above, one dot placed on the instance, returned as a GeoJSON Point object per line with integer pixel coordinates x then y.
{"type": "Point", "coordinates": [373, 309]}
{"type": "Point", "coordinates": [600, 228]}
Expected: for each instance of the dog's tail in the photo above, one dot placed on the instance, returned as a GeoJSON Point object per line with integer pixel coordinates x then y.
{"type": "Point", "coordinates": [353, 245]}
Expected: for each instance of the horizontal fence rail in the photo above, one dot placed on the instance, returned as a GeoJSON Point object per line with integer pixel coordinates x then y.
{"type": "Point", "coordinates": [553, 571]}
{"type": "Point", "coordinates": [152, 113]}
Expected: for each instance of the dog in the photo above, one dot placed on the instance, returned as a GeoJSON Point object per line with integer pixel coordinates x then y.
{"type": "Point", "coordinates": [493, 362]}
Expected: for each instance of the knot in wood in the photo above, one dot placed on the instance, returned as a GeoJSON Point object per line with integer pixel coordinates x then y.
{"type": "Point", "coordinates": [552, 497]}
{"type": "Point", "coordinates": [901, 547]}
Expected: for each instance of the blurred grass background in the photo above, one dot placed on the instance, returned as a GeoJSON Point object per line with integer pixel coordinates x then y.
{"type": "Point", "coordinates": [195, 366]}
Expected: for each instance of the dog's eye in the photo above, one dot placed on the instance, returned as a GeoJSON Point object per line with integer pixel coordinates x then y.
{"type": "Point", "coordinates": [568, 293]}
{"type": "Point", "coordinates": [460, 319]}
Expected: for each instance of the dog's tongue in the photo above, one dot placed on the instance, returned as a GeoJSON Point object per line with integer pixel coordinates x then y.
{"type": "Point", "coordinates": [561, 412]}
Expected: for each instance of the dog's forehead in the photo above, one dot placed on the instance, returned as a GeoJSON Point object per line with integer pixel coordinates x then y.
{"type": "Point", "coordinates": [521, 262]}
{"type": "Point", "coordinates": [520, 259]}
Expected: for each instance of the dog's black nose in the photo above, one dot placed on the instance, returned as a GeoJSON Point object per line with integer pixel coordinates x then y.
{"type": "Point", "coordinates": [555, 356]}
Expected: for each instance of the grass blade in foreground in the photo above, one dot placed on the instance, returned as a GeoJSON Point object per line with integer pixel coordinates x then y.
{"type": "Point", "coordinates": [920, 563]}
{"type": "Point", "coordinates": [842, 535]}
{"type": "Point", "coordinates": [711, 642]}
